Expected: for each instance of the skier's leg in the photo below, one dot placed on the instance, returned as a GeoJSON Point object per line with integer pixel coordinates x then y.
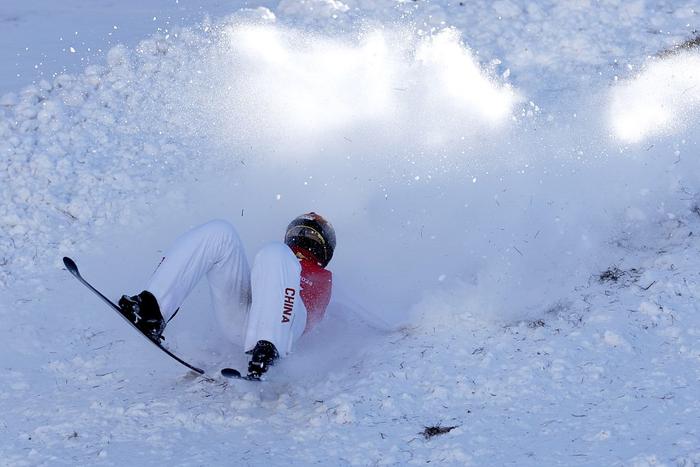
{"type": "Point", "coordinates": [213, 249]}
{"type": "Point", "coordinates": [229, 285]}
{"type": "Point", "coordinates": [277, 313]}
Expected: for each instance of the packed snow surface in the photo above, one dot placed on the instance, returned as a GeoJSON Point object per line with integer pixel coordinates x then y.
{"type": "Point", "coordinates": [514, 187]}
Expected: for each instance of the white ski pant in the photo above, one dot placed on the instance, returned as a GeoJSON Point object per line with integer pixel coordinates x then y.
{"type": "Point", "coordinates": [262, 304]}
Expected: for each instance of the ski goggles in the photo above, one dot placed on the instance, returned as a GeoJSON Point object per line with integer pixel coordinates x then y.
{"type": "Point", "coordinates": [303, 231]}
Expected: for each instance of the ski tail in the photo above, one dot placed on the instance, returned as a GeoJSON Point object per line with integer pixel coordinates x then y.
{"type": "Point", "coordinates": [235, 374]}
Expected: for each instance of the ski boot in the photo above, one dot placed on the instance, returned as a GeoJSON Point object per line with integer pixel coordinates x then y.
{"type": "Point", "coordinates": [263, 356]}
{"type": "Point", "coordinates": [144, 312]}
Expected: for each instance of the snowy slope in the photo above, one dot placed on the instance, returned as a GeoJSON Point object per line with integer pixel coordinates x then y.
{"type": "Point", "coordinates": [514, 190]}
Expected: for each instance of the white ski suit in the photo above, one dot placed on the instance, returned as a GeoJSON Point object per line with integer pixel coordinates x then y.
{"type": "Point", "coordinates": [263, 304]}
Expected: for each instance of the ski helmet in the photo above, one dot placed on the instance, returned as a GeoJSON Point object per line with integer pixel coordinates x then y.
{"type": "Point", "coordinates": [313, 233]}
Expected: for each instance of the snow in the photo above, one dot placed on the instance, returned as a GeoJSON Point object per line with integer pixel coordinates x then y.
{"type": "Point", "coordinates": [660, 100]}
{"type": "Point", "coordinates": [514, 189]}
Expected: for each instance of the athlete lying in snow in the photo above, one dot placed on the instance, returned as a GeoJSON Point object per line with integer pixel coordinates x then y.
{"type": "Point", "coordinates": [284, 295]}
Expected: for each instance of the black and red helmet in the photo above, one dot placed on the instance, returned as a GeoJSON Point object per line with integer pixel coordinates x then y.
{"type": "Point", "coordinates": [312, 233]}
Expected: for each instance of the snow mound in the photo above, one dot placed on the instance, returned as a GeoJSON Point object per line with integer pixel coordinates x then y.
{"type": "Point", "coordinates": [80, 150]}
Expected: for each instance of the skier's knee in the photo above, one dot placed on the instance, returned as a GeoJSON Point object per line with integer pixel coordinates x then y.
{"type": "Point", "coordinates": [220, 232]}
{"type": "Point", "coordinates": [275, 253]}
{"type": "Point", "coordinates": [221, 228]}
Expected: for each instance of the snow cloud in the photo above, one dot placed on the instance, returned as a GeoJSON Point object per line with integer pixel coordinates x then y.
{"type": "Point", "coordinates": [290, 86]}
{"type": "Point", "coordinates": [663, 99]}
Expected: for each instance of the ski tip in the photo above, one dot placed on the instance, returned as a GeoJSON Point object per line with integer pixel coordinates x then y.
{"type": "Point", "coordinates": [70, 264]}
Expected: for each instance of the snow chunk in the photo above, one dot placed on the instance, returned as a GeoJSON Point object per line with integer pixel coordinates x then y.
{"type": "Point", "coordinates": [650, 309]}
{"type": "Point", "coordinates": [9, 100]}
{"type": "Point", "coordinates": [615, 340]}
{"type": "Point", "coordinates": [118, 57]}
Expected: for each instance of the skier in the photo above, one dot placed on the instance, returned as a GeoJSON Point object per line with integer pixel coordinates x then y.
{"type": "Point", "coordinates": [284, 295]}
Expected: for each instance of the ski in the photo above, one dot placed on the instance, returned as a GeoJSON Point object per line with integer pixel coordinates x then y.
{"type": "Point", "coordinates": [235, 374]}
{"type": "Point", "coordinates": [73, 269]}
